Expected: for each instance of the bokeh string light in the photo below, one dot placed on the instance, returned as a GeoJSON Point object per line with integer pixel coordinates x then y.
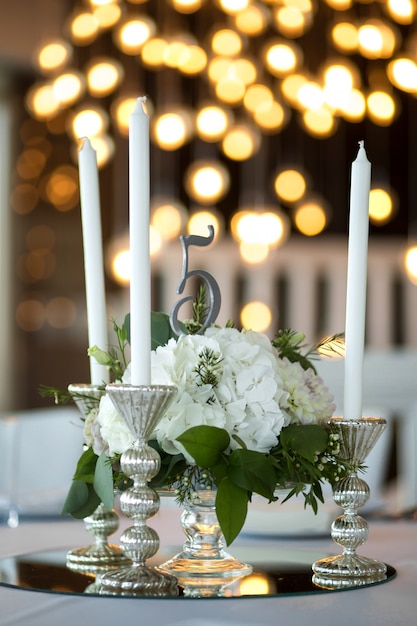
{"type": "Point", "coordinates": [226, 78]}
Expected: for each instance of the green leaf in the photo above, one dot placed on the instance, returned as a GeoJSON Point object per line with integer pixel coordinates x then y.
{"type": "Point", "coordinates": [231, 508]}
{"type": "Point", "coordinates": [308, 440]}
{"type": "Point", "coordinates": [103, 481]}
{"type": "Point", "coordinates": [76, 498]}
{"type": "Point", "coordinates": [253, 471]}
{"type": "Point", "coordinates": [126, 325]}
{"type": "Point", "coordinates": [219, 470]}
{"type": "Point", "coordinates": [205, 444]}
{"type": "Point", "coordinates": [89, 506]}
{"type": "Point", "coordinates": [86, 466]}
{"type": "Point", "coordinates": [162, 331]}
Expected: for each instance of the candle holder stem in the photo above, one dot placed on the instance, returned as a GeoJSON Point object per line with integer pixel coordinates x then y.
{"type": "Point", "coordinates": [101, 555]}
{"type": "Point", "coordinates": [350, 530]}
{"type": "Point", "coordinates": [141, 407]}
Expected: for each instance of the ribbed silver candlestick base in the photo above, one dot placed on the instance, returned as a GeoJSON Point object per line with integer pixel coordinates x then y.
{"type": "Point", "coordinates": [141, 407]}
{"type": "Point", "coordinates": [99, 556]}
{"type": "Point", "coordinates": [350, 530]}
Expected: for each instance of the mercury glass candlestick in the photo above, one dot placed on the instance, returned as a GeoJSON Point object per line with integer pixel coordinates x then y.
{"type": "Point", "coordinates": [350, 530]}
{"type": "Point", "coordinates": [99, 556]}
{"type": "Point", "coordinates": [141, 406]}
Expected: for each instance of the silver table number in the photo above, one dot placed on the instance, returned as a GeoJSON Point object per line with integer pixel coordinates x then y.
{"type": "Point", "coordinates": [211, 284]}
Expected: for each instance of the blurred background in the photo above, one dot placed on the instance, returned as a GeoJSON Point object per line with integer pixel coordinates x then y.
{"type": "Point", "coordinates": [256, 111]}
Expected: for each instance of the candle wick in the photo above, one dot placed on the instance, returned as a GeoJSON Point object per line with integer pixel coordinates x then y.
{"type": "Point", "coordinates": [361, 143]}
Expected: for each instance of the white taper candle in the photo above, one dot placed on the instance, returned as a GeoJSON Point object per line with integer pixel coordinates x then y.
{"type": "Point", "coordinates": [140, 272]}
{"type": "Point", "coordinates": [356, 284]}
{"type": "Point", "coordinates": [93, 258]}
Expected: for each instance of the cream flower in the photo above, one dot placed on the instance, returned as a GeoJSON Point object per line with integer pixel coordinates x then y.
{"type": "Point", "coordinates": [113, 429]}
{"type": "Point", "coordinates": [307, 400]}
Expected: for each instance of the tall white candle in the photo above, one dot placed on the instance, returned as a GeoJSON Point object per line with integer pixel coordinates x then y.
{"type": "Point", "coordinates": [93, 258]}
{"type": "Point", "coordinates": [140, 274]}
{"type": "Point", "coordinates": [356, 284]}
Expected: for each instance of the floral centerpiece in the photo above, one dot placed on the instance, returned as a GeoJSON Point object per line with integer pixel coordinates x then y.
{"type": "Point", "coordinates": [249, 415]}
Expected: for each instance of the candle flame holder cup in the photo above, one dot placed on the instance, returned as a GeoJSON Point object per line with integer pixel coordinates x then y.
{"type": "Point", "coordinates": [141, 407]}
{"type": "Point", "coordinates": [350, 530]}
{"type": "Point", "coordinates": [100, 556]}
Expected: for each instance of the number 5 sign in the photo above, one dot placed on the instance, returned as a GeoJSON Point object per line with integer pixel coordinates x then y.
{"type": "Point", "coordinates": [210, 283]}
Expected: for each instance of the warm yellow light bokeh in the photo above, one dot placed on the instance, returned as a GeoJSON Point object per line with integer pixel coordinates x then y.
{"type": "Point", "coordinates": [133, 34]}
{"type": "Point", "coordinates": [122, 109]}
{"type": "Point", "coordinates": [68, 87]}
{"type": "Point", "coordinates": [89, 122]}
{"type": "Point", "coordinates": [240, 143]}
{"type": "Point", "coordinates": [84, 28]}
{"type": "Point", "coordinates": [207, 181]}
{"type": "Point", "coordinates": [199, 222]}
{"type": "Point", "coordinates": [226, 42]}
{"type": "Point", "coordinates": [263, 227]}
{"type": "Point", "coordinates": [381, 206]}
{"type": "Point", "coordinates": [253, 253]}
{"type": "Point", "coordinates": [345, 36]}
{"type": "Point", "coordinates": [168, 217]}
{"type": "Point", "coordinates": [381, 107]}
{"type": "Point", "coordinates": [103, 76]}
{"type": "Point", "coordinates": [310, 218]}
{"type": "Point", "coordinates": [410, 262]}
{"type": "Point", "coordinates": [54, 55]}
{"type": "Point", "coordinates": [256, 316]}
{"type": "Point", "coordinates": [290, 185]}
{"type": "Point", "coordinates": [212, 122]}
{"type": "Point", "coordinates": [319, 122]}
{"type": "Point", "coordinates": [402, 72]}
{"type": "Point", "coordinates": [253, 20]}
{"type": "Point", "coordinates": [282, 58]}
{"type": "Point", "coordinates": [171, 130]}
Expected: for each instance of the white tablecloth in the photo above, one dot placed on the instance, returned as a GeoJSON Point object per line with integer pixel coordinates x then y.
{"type": "Point", "coordinates": [394, 602]}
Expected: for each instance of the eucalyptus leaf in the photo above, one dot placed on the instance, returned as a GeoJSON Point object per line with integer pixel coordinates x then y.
{"type": "Point", "coordinates": [308, 440]}
{"type": "Point", "coordinates": [205, 444]}
{"type": "Point", "coordinates": [161, 330]}
{"type": "Point", "coordinates": [86, 466]}
{"type": "Point", "coordinates": [103, 481]}
{"type": "Point", "coordinates": [253, 471]}
{"type": "Point", "coordinates": [76, 498]}
{"type": "Point", "coordinates": [231, 508]}
{"type": "Point", "coordinates": [89, 506]}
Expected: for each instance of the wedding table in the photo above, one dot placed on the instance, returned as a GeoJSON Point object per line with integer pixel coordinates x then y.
{"type": "Point", "coordinates": [392, 602]}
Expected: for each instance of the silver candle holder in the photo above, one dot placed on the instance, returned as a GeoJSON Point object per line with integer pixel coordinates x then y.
{"type": "Point", "coordinates": [141, 407]}
{"type": "Point", "coordinates": [350, 530]}
{"type": "Point", "coordinates": [101, 555]}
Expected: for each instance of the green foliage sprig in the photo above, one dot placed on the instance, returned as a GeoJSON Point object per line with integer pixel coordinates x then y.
{"type": "Point", "coordinates": [305, 456]}
{"type": "Point", "coordinates": [290, 344]}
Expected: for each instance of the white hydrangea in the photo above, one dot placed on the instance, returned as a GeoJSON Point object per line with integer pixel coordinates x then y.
{"type": "Point", "coordinates": [256, 393]}
{"type": "Point", "coordinates": [246, 400]}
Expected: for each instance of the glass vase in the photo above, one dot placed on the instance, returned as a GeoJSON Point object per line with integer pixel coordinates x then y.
{"type": "Point", "coordinates": [203, 567]}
